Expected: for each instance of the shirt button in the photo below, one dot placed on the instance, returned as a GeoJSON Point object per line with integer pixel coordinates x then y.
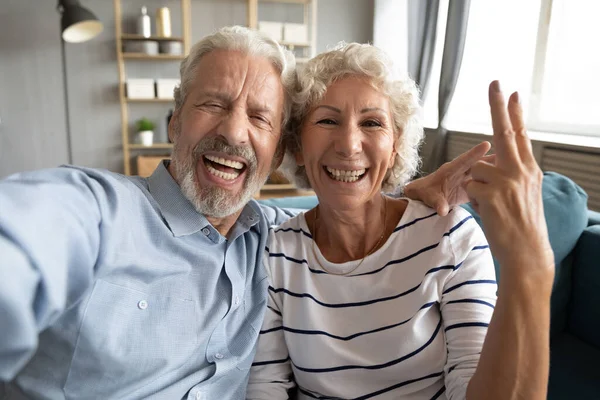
{"type": "Point", "coordinates": [142, 304]}
{"type": "Point", "coordinates": [236, 301]}
{"type": "Point", "coordinates": [218, 356]}
{"type": "Point", "coordinates": [206, 231]}
{"type": "Point", "coordinates": [198, 396]}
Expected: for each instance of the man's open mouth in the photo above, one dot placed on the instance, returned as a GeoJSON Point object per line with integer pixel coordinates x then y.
{"type": "Point", "coordinates": [223, 168]}
{"type": "Point", "coordinates": [348, 176]}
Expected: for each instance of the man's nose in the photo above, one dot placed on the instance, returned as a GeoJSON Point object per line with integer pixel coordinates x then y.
{"type": "Point", "coordinates": [348, 141]}
{"type": "Point", "coordinates": [234, 128]}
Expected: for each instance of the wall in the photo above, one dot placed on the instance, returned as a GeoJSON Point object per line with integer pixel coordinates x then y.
{"type": "Point", "coordinates": [32, 111]}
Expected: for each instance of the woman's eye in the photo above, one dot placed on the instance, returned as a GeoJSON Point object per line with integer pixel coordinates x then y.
{"type": "Point", "coordinates": [371, 123]}
{"type": "Point", "coordinates": [326, 121]}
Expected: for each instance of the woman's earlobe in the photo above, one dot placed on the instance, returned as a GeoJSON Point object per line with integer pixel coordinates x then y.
{"type": "Point", "coordinates": [393, 156]}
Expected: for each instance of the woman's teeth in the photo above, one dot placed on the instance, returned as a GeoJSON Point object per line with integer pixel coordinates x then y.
{"type": "Point", "coordinates": [344, 175]}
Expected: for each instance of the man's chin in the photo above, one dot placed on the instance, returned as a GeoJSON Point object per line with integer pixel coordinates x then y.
{"type": "Point", "coordinates": [215, 201]}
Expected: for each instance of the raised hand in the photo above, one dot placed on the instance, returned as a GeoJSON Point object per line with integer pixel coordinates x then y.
{"type": "Point", "coordinates": [508, 194]}
{"type": "Point", "coordinates": [445, 188]}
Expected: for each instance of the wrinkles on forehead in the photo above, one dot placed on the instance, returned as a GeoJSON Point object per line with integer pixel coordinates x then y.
{"type": "Point", "coordinates": [226, 76]}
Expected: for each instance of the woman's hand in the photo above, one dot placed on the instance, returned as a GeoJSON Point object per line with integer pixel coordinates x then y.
{"type": "Point", "coordinates": [445, 188]}
{"type": "Point", "coordinates": [515, 357]}
{"type": "Point", "coordinates": [508, 195]}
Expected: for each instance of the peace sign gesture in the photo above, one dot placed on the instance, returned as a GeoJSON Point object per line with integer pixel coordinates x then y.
{"type": "Point", "coordinates": [508, 194]}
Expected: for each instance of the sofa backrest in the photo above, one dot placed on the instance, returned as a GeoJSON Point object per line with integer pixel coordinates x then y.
{"type": "Point", "coordinates": [584, 309]}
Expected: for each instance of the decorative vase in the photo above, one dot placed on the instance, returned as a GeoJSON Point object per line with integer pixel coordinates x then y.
{"type": "Point", "coordinates": [163, 22]}
{"type": "Point", "coordinates": [146, 137]}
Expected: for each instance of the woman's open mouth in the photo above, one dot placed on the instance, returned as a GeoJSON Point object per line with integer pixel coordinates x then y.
{"type": "Point", "coordinates": [223, 168]}
{"type": "Point", "coordinates": [348, 176]}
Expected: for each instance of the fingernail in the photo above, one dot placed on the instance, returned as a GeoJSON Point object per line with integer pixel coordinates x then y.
{"type": "Point", "coordinates": [496, 86]}
{"type": "Point", "coordinates": [517, 97]}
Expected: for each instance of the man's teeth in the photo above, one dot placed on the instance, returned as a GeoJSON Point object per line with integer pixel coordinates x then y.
{"type": "Point", "coordinates": [223, 175]}
{"type": "Point", "coordinates": [227, 163]}
{"type": "Point", "coordinates": [344, 175]}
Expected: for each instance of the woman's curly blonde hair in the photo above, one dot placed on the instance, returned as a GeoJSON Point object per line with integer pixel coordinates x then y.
{"type": "Point", "coordinates": [360, 60]}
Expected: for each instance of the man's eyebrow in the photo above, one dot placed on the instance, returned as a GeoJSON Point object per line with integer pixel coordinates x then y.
{"type": "Point", "coordinates": [364, 110]}
{"type": "Point", "coordinates": [215, 95]}
{"type": "Point", "coordinates": [337, 110]}
{"type": "Point", "coordinates": [261, 109]}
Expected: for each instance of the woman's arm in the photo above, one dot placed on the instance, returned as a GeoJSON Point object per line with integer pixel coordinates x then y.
{"type": "Point", "coordinates": [514, 360]}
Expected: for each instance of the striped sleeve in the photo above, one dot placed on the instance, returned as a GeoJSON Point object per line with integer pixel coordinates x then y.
{"type": "Point", "coordinates": [271, 373]}
{"type": "Point", "coordinates": [467, 304]}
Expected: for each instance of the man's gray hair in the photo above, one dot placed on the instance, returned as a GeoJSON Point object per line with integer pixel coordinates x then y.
{"type": "Point", "coordinates": [359, 60]}
{"type": "Point", "coordinates": [248, 41]}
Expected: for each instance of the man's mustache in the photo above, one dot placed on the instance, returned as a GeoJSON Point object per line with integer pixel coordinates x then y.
{"type": "Point", "coordinates": [219, 145]}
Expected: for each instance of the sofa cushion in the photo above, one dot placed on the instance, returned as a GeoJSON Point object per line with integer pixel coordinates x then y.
{"type": "Point", "coordinates": [593, 218]}
{"type": "Point", "coordinates": [574, 369]}
{"type": "Point", "coordinates": [584, 315]}
{"type": "Point", "coordinates": [298, 202]}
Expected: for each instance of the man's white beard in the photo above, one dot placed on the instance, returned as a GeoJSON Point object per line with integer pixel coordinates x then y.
{"type": "Point", "coordinates": [214, 201]}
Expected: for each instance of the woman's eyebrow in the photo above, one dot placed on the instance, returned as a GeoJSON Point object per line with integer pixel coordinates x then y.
{"type": "Point", "coordinates": [337, 110]}
{"type": "Point", "coordinates": [364, 110]}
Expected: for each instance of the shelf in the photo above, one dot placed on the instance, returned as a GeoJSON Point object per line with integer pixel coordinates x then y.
{"type": "Point", "coordinates": [302, 60]}
{"type": "Point", "coordinates": [287, 1]}
{"type": "Point", "coordinates": [142, 56]}
{"type": "Point", "coordinates": [155, 146]}
{"type": "Point", "coordinates": [295, 44]}
{"type": "Point", "coordinates": [129, 36]}
{"type": "Point", "coordinates": [150, 100]}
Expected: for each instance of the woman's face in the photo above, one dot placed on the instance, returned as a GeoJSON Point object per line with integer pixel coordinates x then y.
{"type": "Point", "coordinates": [348, 143]}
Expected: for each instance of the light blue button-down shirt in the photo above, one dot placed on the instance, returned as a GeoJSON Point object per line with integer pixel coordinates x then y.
{"type": "Point", "coordinates": [114, 287]}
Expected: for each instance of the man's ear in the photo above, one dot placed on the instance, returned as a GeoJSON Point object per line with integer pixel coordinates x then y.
{"type": "Point", "coordinates": [172, 126]}
{"type": "Point", "coordinates": [299, 158]}
{"type": "Point", "coordinates": [278, 157]}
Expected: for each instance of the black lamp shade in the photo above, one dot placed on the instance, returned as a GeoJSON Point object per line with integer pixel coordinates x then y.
{"type": "Point", "coordinates": [78, 23]}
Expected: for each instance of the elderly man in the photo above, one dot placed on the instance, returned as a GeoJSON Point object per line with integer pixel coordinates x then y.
{"type": "Point", "coordinates": [124, 287]}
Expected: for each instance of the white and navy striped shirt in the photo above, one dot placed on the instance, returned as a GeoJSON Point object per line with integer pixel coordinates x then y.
{"type": "Point", "coordinates": [408, 323]}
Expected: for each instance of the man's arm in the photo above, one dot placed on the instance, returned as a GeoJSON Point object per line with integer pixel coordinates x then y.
{"type": "Point", "coordinates": [441, 190]}
{"type": "Point", "coordinates": [49, 241]}
{"type": "Point", "coordinates": [445, 188]}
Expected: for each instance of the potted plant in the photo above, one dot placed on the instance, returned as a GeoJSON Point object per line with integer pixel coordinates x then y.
{"type": "Point", "coordinates": [145, 129]}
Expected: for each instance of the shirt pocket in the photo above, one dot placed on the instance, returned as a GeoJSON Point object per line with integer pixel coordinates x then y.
{"type": "Point", "coordinates": [129, 338]}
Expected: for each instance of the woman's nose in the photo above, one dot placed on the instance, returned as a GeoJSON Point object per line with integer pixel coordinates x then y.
{"type": "Point", "coordinates": [348, 141]}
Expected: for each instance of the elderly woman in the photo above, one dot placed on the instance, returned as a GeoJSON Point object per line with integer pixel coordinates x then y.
{"type": "Point", "coordinates": [377, 297]}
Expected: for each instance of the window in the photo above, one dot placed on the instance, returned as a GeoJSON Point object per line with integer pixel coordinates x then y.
{"type": "Point", "coordinates": [570, 90]}
{"type": "Point", "coordinates": [545, 49]}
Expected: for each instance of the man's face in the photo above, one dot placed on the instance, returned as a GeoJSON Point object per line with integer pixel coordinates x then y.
{"type": "Point", "coordinates": [227, 131]}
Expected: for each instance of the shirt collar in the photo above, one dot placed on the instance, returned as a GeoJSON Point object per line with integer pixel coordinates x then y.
{"type": "Point", "coordinates": [180, 215]}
